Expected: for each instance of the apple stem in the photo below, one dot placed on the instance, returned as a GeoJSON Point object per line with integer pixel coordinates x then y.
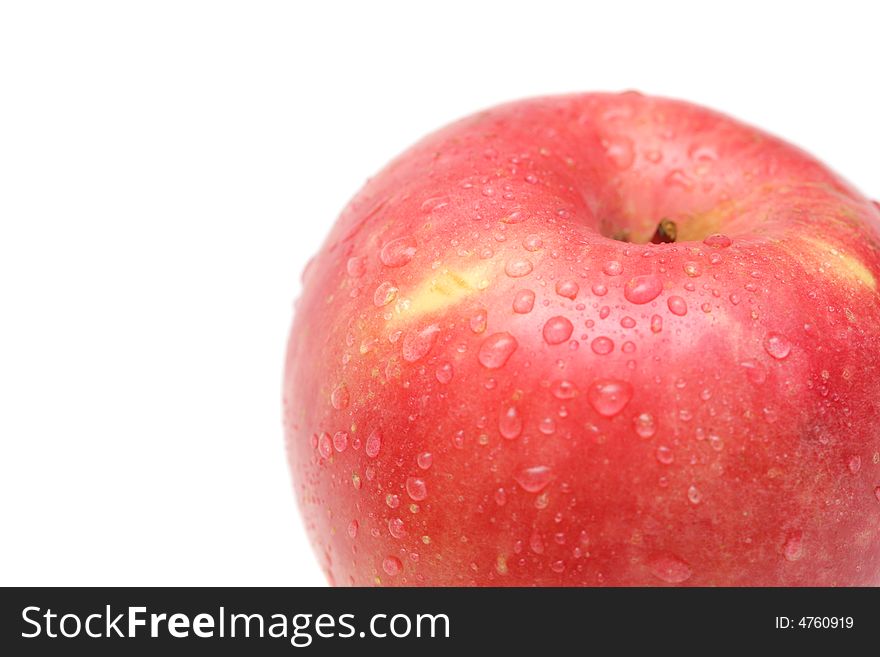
{"type": "Point", "coordinates": [665, 233]}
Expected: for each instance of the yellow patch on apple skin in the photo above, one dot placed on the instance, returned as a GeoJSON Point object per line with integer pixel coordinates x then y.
{"type": "Point", "coordinates": [443, 289]}
{"type": "Point", "coordinates": [844, 265]}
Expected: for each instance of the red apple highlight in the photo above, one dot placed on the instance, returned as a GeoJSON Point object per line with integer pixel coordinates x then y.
{"type": "Point", "coordinates": [592, 340]}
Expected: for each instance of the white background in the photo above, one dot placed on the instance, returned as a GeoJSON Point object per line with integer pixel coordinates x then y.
{"type": "Point", "coordinates": [166, 169]}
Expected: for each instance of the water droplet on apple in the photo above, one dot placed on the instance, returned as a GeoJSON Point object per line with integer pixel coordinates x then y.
{"type": "Point", "coordinates": [793, 549]}
{"type": "Point", "coordinates": [398, 252]}
{"type": "Point", "coordinates": [534, 479]}
{"type": "Point", "coordinates": [718, 241]}
{"type": "Point", "coordinates": [416, 488]}
{"type": "Point", "coordinates": [642, 289]}
{"type": "Point", "coordinates": [542, 500]}
{"type": "Point", "coordinates": [392, 565]}
{"type": "Point", "coordinates": [515, 216]}
{"type": "Point", "coordinates": [374, 444]}
{"type": "Point", "coordinates": [670, 568]}
{"type": "Point", "coordinates": [536, 543]}
{"type": "Point", "coordinates": [854, 464]}
{"type": "Point", "coordinates": [339, 398]}
{"type": "Point", "coordinates": [523, 302]}
{"type": "Point", "coordinates": [500, 497]}
{"type": "Point", "coordinates": [692, 268]}
{"type": "Point", "coordinates": [702, 153]}
{"type": "Point", "coordinates": [424, 460]}
{"type": "Point", "coordinates": [478, 321]}
{"type": "Point", "coordinates": [532, 243]}
{"type": "Point", "coordinates": [627, 322]}
{"type": "Point", "coordinates": [510, 423]}
{"type": "Point", "coordinates": [694, 494]}
{"type": "Point", "coordinates": [563, 389]}
{"type": "Point", "coordinates": [609, 396]}
{"type": "Point", "coordinates": [434, 203]}
{"type": "Point", "coordinates": [599, 289]}
{"type": "Point", "coordinates": [602, 345]}
{"type": "Point", "coordinates": [385, 293]}
{"type": "Point", "coordinates": [518, 267]}
{"type": "Point", "coordinates": [678, 178]}
{"type": "Point", "coordinates": [496, 350]}
{"type": "Point", "coordinates": [353, 528]}
{"type": "Point", "coordinates": [612, 268]}
{"type": "Point", "coordinates": [547, 426]}
{"type": "Point", "coordinates": [340, 441]}
{"type": "Point", "coordinates": [356, 266]}
{"type": "Point", "coordinates": [777, 345]}
{"type": "Point", "coordinates": [567, 288]}
{"type": "Point", "coordinates": [754, 371]}
{"type": "Point", "coordinates": [677, 306]}
{"type": "Point", "coordinates": [417, 345]}
{"type": "Point", "coordinates": [444, 372]}
{"type": "Point", "coordinates": [396, 528]}
{"type": "Point", "coordinates": [325, 445]}
{"type": "Point", "coordinates": [557, 330]}
{"type": "Point", "coordinates": [644, 425]}
{"type": "Point", "coordinates": [664, 455]}
{"type": "Point", "coordinates": [656, 323]}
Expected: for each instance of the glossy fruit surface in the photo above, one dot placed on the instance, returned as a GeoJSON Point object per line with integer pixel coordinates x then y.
{"type": "Point", "coordinates": [592, 340]}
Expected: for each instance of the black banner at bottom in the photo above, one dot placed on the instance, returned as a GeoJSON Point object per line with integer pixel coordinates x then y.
{"type": "Point", "coordinates": [427, 621]}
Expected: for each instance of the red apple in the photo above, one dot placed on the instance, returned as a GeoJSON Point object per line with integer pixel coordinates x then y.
{"type": "Point", "coordinates": [494, 377]}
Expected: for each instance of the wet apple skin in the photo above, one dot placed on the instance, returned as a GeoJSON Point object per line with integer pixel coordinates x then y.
{"type": "Point", "coordinates": [493, 380]}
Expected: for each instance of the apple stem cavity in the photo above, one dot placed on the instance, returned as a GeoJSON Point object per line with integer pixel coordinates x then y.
{"type": "Point", "coordinates": [665, 233]}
